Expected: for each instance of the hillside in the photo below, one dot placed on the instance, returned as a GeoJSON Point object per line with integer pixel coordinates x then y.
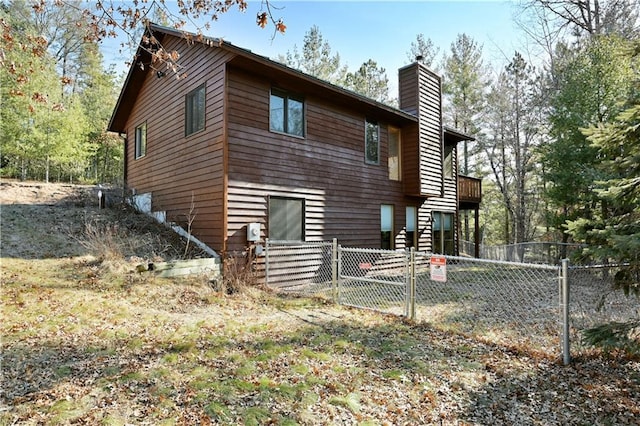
{"type": "Point", "coordinates": [41, 220]}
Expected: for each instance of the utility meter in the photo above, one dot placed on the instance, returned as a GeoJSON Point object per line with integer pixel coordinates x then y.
{"type": "Point", "coordinates": [253, 232]}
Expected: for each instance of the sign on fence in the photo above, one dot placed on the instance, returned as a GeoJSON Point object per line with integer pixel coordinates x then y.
{"type": "Point", "coordinates": [439, 268]}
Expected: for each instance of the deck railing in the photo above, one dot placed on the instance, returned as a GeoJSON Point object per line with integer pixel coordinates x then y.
{"type": "Point", "coordinates": [469, 189]}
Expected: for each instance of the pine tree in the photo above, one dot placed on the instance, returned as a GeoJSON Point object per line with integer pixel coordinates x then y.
{"type": "Point", "coordinates": [423, 51]}
{"type": "Point", "coordinates": [464, 94]}
{"type": "Point", "coordinates": [98, 96]}
{"type": "Point", "coordinates": [588, 85]}
{"type": "Point", "coordinates": [613, 233]}
{"type": "Point", "coordinates": [370, 81]}
{"type": "Point", "coordinates": [316, 58]}
{"type": "Point", "coordinates": [464, 87]}
{"type": "Point", "coordinates": [50, 116]}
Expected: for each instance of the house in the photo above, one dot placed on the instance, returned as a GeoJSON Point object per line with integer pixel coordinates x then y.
{"type": "Point", "coordinates": [245, 140]}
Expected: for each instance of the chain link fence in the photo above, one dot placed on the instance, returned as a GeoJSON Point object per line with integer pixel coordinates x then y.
{"type": "Point", "coordinates": [513, 304]}
{"type": "Point", "coordinates": [502, 302]}
{"type": "Point", "coordinates": [595, 299]}
{"type": "Point", "coordinates": [550, 253]}
{"type": "Point", "coordinates": [306, 268]}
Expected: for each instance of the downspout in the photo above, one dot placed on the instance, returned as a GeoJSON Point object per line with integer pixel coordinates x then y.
{"type": "Point", "coordinates": [225, 163]}
{"type": "Point", "coordinates": [124, 163]}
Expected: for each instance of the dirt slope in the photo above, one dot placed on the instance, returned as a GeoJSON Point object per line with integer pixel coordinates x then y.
{"type": "Point", "coordinates": [53, 220]}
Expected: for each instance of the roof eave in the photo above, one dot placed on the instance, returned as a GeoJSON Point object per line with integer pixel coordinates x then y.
{"type": "Point", "coordinates": [112, 127]}
{"type": "Point", "coordinates": [458, 135]}
{"type": "Point", "coordinates": [116, 123]}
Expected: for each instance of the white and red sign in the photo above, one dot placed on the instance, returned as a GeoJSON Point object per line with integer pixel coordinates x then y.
{"type": "Point", "coordinates": [438, 268]}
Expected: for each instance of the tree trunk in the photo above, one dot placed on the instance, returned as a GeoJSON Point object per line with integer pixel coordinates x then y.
{"type": "Point", "coordinates": [46, 171]}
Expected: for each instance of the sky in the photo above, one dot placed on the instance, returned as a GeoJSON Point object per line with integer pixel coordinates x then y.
{"type": "Point", "coordinates": [378, 30]}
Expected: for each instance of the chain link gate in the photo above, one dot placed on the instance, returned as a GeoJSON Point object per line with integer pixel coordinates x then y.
{"type": "Point", "coordinates": [374, 279]}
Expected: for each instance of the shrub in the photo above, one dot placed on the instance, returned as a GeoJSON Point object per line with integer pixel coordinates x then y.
{"type": "Point", "coordinates": [615, 336]}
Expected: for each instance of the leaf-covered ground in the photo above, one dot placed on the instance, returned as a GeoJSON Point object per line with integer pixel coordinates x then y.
{"type": "Point", "coordinates": [88, 341]}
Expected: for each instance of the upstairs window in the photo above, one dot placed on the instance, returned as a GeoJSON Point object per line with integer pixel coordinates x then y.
{"type": "Point", "coordinates": [286, 113]}
{"type": "Point", "coordinates": [194, 111]}
{"type": "Point", "coordinates": [394, 153]}
{"type": "Point", "coordinates": [371, 142]}
{"type": "Point", "coordinates": [141, 140]}
{"type": "Point", "coordinates": [286, 219]}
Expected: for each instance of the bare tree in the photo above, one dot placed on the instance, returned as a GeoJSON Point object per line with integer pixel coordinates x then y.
{"type": "Point", "coordinates": [582, 17]}
{"type": "Point", "coordinates": [93, 21]}
{"type": "Point", "coordinates": [513, 133]}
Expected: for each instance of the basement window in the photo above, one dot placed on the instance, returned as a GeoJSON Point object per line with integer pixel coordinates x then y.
{"type": "Point", "coordinates": [386, 227]}
{"type": "Point", "coordinates": [286, 219]}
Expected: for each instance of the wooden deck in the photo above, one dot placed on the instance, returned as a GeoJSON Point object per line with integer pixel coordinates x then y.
{"type": "Point", "coordinates": [469, 192]}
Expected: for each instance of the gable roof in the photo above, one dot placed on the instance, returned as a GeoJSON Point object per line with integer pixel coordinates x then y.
{"type": "Point", "coordinates": [256, 63]}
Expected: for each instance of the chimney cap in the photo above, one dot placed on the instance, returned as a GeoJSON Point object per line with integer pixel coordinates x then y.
{"type": "Point", "coordinates": [419, 58]}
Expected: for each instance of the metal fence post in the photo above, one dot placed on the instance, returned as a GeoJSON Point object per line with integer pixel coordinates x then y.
{"type": "Point", "coordinates": [338, 272]}
{"type": "Point", "coordinates": [266, 262]}
{"type": "Point", "coordinates": [334, 270]}
{"type": "Point", "coordinates": [407, 284]}
{"type": "Point", "coordinates": [566, 354]}
{"type": "Point", "coordinates": [410, 284]}
{"type": "Point", "coordinates": [412, 269]}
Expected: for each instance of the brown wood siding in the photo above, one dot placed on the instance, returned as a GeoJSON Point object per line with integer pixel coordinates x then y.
{"type": "Point", "coordinates": [420, 94]}
{"type": "Point", "coordinates": [410, 152]}
{"type": "Point", "coordinates": [408, 89]}
{"type": "Point", "coordinates": [408, 96]}
{"type": "Point", "coordinates": [447, 204]}
{"type": "Point", "coordinates": [431, 136]}
{"type": "Point", "coordinates": [176, 167]}
{"type": "Point", "coordinates": [326, 168]}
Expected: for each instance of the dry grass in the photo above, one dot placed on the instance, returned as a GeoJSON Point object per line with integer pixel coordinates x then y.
{"type": "Point", "coordinates": [86, 342]}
